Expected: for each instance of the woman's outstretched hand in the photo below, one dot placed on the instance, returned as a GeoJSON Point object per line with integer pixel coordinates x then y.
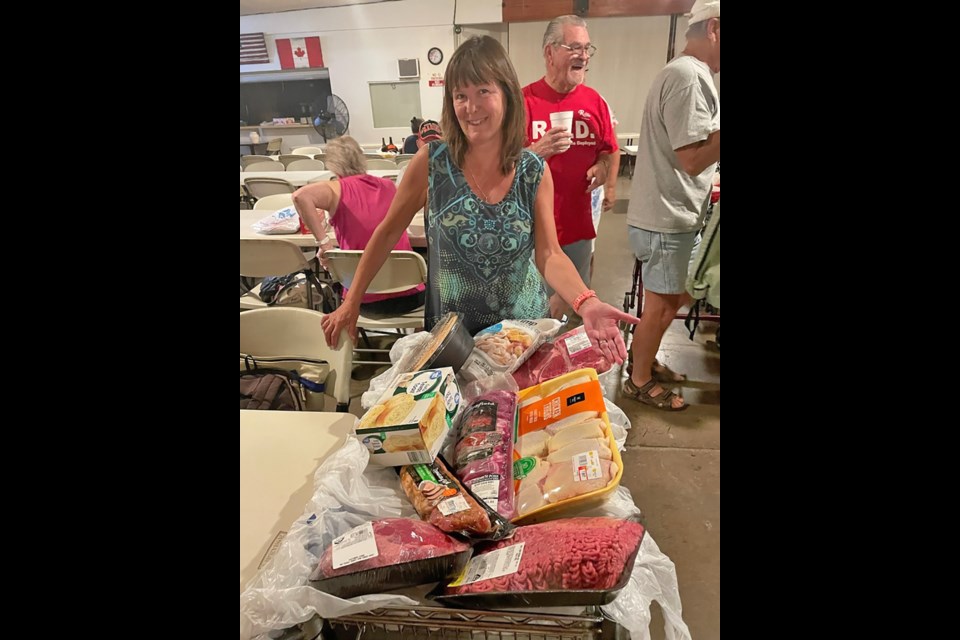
{"type": "Point", "coordinates": [345, 317]}
{"type": "Point", "coordinates": [600, 320]}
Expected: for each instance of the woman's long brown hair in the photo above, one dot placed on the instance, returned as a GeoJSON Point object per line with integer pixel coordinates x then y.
{"type": "Point", "coordinates": [481, 60]}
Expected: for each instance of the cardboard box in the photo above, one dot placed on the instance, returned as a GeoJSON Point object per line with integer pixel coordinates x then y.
{"type": "Point", "coordinates": [412, 419]}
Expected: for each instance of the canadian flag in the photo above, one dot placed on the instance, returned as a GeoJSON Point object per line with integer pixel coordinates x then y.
{"type": "Point", "coordinates": [296, 53]}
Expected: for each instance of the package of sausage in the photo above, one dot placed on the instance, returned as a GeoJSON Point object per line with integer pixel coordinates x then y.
{"type": "Point", "coordinates": [444, 502]}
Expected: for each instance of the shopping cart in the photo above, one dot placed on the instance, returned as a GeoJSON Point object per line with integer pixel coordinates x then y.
{"type": "Point", "coordinates": [443, 623]}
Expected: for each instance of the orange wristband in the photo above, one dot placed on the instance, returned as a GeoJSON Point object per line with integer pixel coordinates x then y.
{"type": "Point", "coordinates": [583, 297]}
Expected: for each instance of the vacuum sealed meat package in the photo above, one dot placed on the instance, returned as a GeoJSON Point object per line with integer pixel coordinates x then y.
{"type": "Point", "coordinates": [387, 554]}
{"type": "Point", "coordinates": [444, 502]}
{"type": "Point", "coordinates": [484, 451]}
{"type": "Point", "coordinates": [568, 352]}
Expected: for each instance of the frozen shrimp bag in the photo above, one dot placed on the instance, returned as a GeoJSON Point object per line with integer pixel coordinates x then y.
{"type": "Point", "coordinates": [504, 346]}
{"type": "Point", "coordinates": [483, 458]}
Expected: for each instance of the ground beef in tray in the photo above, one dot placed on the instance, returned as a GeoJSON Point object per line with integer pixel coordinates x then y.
{"type": "Point", "coordinates": [575, 553]}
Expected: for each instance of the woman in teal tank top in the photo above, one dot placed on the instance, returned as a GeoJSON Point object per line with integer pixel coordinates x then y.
{"type": "Point", "coordinates": [488, 214]}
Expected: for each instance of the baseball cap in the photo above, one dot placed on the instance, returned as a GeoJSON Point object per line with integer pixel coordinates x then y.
{"type": "Point", "coordinates": [704, 10]}
{"type": "Point", "coordinates": [430, 130]}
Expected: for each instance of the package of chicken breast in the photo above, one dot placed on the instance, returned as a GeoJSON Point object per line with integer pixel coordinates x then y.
{"type": "Point", "coordinates": [564, 452]}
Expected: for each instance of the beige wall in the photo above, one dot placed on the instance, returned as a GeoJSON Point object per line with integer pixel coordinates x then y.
{"type": "Point", "coordinates": [630, 52]}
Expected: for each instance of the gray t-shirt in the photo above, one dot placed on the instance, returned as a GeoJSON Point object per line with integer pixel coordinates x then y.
{"type": "Point", "coordinates": [682, 108]}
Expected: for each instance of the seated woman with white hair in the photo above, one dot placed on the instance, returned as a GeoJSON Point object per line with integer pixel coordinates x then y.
{"type": "Point", "coordinates": [356, 203]}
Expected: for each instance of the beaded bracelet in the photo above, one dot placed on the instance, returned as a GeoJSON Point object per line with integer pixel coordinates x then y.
{"type": "Point", "coordinates": [583, 297]}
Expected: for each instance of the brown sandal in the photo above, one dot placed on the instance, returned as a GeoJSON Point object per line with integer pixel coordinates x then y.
{"type": "Point", "coordinates": [664, 374]}
{"type": "Point", "coordinates": [664, 401]}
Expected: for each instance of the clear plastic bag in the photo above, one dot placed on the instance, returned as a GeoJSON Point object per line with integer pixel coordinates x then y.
{"type": "Point", "coordinates": [346, 495]}
{"type": "Point", "coordinates": [379, 384]}
{"type": "Point", "coordinates": [286, 220]}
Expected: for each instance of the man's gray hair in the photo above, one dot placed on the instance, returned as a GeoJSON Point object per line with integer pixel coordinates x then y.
{"type": "Point", "coordinates": [554, 32]}
{"type": "Point", "coordinates": [697, 30]}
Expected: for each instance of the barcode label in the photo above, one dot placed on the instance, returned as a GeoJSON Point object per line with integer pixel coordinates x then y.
{"type": "Point", "coordinates": [491, 565]}
{"type": "Point", "coordinates": [456, 504]}
{"type": "Point", "coordinates": [418, 456]}
{"type": "Point", "coordinates": [586, 466]}
{"type": "Point", "coordinates": [354, 546]}
{"type": "Point", "coordinates": [577, 342]}
{"type": "Point", "coordinates": [487, 488]}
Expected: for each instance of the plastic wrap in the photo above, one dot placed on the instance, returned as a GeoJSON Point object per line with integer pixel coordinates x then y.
{"type": "Point", "coordinates": [575, 561]}
{"type": "Point", "coordinates": [285, 220]}
{"type": "Point", "coordinates": [504, 346]}
{"type": "Point", "coordinates": [619, 423]}
{"type": "Point", "coordinates": [565, 453]}
{"type": "Point", "coordinates": [378, 384]}
{"type": "Point", "coordinates": [442, 500]}
{"type": "Point", "coordinates": [387, 554]}
{"type": "Point", "coordinates": [449, 345]}
{"type": "Point", "coordinates": [345, 496]}
{"type": "Point", "coordinates": [567, 352]}
{"type": "Point", "coordinates": [483, 459]}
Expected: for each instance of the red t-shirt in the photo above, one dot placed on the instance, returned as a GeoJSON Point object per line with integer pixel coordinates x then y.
{"type": "Point", "coordinates": [592, 135]}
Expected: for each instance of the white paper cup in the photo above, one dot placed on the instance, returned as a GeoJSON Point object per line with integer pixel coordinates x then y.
{"type": "Point", "coordinates": [562, 119]}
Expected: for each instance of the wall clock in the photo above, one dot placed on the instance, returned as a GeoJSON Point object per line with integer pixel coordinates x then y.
{"type": "Point", "coordinates": [435, 56]}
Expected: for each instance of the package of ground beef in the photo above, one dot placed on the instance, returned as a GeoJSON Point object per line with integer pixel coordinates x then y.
{"type": "Point", "coordinates": [574, 561]}
{"type": "Point", "coordinates": [484, 450]}
{"type": "Point", "coordinates": [388, 554]}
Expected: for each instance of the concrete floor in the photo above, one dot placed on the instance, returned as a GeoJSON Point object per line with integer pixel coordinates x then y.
{"type": "Point", "coordinates": [672, 462]}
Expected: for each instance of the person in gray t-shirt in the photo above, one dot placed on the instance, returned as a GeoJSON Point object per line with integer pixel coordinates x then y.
{"type": "Point", "coordinates": [678, 152]}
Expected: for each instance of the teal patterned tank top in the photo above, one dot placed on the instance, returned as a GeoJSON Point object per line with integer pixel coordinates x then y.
{"type": "Point", "coordinates": [481, 255]}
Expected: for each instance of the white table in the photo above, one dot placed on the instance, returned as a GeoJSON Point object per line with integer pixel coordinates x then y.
{"type": "Point", "coordinates": [415, 231]}
{"type": "Point", "coordinates": [279, 451]}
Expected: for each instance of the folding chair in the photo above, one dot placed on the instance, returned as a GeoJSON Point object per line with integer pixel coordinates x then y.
{"type": "Point", "coordinates": [290, 333]}
{"type": "Point", "coordinates": [403, 270]}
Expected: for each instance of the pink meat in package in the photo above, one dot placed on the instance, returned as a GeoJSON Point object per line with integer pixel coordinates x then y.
{"type": "Point", "coordinates": [483, 458]}
{"type": "Point", "coordinates": [572, 554]}
{"type": "Point", "coordinates": [569, 352]}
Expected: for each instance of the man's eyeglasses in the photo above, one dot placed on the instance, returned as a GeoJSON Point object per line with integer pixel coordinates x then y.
{"type": "Point", "coordinates": [580, 50]}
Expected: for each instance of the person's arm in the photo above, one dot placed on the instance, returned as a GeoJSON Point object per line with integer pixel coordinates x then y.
{"type": "Point", "coordinates": [610, 186]}
{"type": "Point", "coordinates": [318, 195]}
{"type": "Point", "coordinates": [600, 171]}
{"type": "Point", "coordinates": [411, 197]}
{"type": "Point", "coordinates": [599, 318]}
{"type": "Point", "coordinates": [696, 157]}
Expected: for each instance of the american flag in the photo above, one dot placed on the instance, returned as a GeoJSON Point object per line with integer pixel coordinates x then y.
{"type": "Point", "coordinates": [253, 48]}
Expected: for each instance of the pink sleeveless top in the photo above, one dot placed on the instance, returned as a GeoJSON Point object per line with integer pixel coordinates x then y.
{"type": "Point", "coordinates": [364, 201]}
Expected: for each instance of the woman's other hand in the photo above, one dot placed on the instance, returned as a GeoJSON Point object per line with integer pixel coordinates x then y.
{"type": "Point", "coordinates": [601, 322]}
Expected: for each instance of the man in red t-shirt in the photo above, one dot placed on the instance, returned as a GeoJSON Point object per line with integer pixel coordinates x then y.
{"type": "Point", "coordinates": [580, 154]}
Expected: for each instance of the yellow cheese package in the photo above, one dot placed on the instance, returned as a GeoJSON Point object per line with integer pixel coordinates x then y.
{"type": "Point", "coordinates": [565, 454]}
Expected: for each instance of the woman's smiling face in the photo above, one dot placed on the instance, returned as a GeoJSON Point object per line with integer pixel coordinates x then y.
{"type": "Point", "coordinates": [479, 109]}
